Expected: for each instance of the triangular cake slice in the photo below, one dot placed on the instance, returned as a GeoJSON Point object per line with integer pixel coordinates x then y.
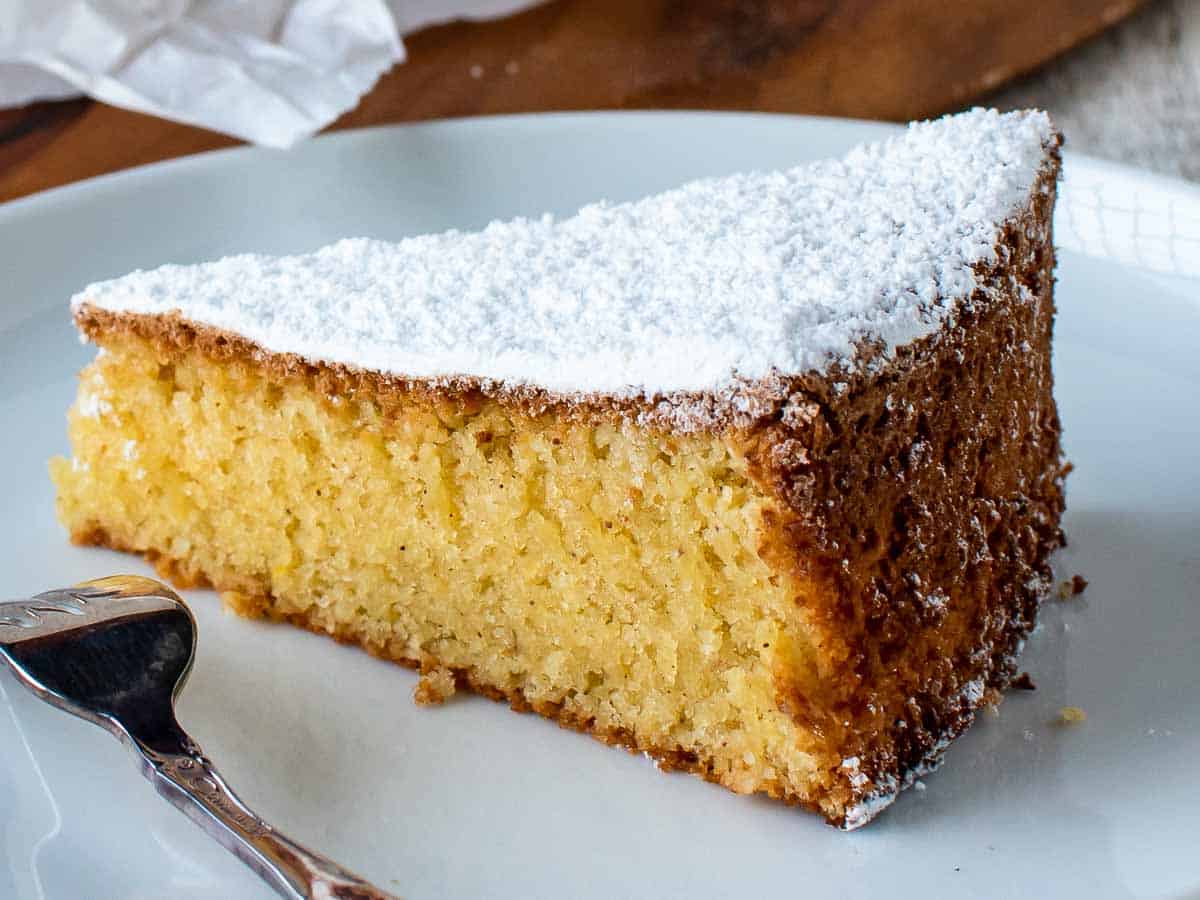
{"type": "Point", "coordinates": [758, 476]}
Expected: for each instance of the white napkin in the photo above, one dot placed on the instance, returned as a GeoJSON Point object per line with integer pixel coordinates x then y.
{"type": "Point", "coordinates": [269, 71]}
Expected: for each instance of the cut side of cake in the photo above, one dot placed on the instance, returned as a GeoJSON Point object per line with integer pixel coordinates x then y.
{"type": "Point", "coordinates": [759, 476]}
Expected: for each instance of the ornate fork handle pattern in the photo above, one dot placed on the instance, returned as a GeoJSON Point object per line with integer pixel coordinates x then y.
{"type": "Point", "coordinates": [186, 777]}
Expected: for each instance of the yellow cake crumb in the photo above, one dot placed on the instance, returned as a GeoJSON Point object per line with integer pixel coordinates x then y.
{"type": "Point", "coordinates": [607, 571]}
{"type": "Point", "coordinates": [1071, 715]}
{"type": "Point", "coordinates": [434, 688]}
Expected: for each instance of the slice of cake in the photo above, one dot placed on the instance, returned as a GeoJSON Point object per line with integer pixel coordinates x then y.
{"type": "Point", "coordinates": [758, 476]}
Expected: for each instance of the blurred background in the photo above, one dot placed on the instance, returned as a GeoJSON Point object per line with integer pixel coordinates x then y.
{"type": "Point", "coordinates": [93, 87]}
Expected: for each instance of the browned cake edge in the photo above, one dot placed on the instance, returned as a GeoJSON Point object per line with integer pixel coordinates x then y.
{"type": "Point", "coordinates": [963, 506]}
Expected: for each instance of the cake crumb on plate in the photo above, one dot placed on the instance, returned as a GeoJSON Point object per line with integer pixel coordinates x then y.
{"type": "Point", "coordinates": [435, 687]}
{"type": "Point", "coordinates": [1071, 715]}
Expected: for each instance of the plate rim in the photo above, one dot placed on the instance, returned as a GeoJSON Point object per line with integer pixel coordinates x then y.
{"type": "Point", "coordinates": [232, 155]}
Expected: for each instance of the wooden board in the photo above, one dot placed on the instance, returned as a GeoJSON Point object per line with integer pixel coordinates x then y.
{"type": "Point", "coordinates": [880, 59]}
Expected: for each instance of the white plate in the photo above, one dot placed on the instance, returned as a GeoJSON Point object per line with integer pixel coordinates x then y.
{"type": "Point", "coordinates": [473, 800]}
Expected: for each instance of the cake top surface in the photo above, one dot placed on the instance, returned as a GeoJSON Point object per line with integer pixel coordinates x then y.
{"type": "Point", "coordinates": [692, 290]}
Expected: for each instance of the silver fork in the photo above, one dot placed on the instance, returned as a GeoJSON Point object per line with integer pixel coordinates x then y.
{"type": "Point", "coordinates": [117, 652]}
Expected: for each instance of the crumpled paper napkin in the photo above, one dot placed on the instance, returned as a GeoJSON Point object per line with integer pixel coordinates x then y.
{"type": "Point", "coordinates": [271, 72]}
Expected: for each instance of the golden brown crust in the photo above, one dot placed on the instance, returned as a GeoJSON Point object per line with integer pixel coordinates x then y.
{"type": "Point", "coordinates": [683, 411]}
{"type": "Point", "coordinates": [927, 495]}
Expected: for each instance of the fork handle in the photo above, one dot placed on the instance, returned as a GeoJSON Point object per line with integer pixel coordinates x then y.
{"type": "Point", "coordinates": [182, 773]}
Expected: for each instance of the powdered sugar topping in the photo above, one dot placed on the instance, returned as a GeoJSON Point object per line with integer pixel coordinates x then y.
{"type": "Point", "coordinates": [718, 281]}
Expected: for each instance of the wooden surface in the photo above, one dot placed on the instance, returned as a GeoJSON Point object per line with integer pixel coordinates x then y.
{"type": "Point", "coordinates": [882, 59]}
